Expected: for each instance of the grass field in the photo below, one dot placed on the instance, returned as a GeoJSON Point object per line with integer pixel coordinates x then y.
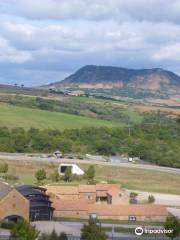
{"type": "Point", "coordinates": [13, 116]}
{"type": "Point", "coordinates": [134, 179]}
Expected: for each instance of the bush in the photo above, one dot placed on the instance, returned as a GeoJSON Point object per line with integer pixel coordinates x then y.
{"type": "Point", "coordinates": [90, 174]}
{"type": "Point", "coordinates": [40, 175]}
{"type": "Point", "coordinates": [151, 199]}
{"type": "Point", "coordinates": [55, 176]}
{"type": "Point", "coordinates": [3, 168]}
{"type": "Point", "coordinates": [7, 225]}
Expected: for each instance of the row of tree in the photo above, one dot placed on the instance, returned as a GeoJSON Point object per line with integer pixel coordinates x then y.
{"type": "Point", "coordinates": [157, 143]}
{"type": "Point", "coordinates": [89, 175]}
{"type": "Point", "coordinates": [90, 231]}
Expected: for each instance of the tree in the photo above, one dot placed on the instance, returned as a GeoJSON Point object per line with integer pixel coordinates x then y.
{"type": "Point", "coordinates": [133, 197]}
{"type": "Point", "coordinates": [151, 199]}
{"type": "Point", "coordinates": [4, 168]}
{"type": "Point", "coordinates": [63, 236]}
{"type": "Point", "coordinates": [90, 174]}
{"type": "Point", "coordinates": [53, 235]}
{"type": "Point", "coordinates": [172, 223]}
{"type": "Point", "coordinates": [55, 176]}
{"type": "Point", "coordinates": [92, 231]}
{"type": "Point", "coordinates": [24, 231]}
{"type": "Point", "coordinates": [68, 174]}
{"type": "Point", "coordinates": [40, 175]}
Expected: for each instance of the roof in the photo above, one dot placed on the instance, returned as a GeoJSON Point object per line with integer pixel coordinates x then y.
{"type": "Point", "coordinates": [127, 210]}
{"type": "Point", "coordinates": [105, 186]}
{"type": "Point", "coordinates": [4, 189]}
{"type": "Point", "coordinates": [61, 205]}
{"type": "Point", "coordinates": [26, 190]}
{"type": "Point", "coordinates": [87, 188]}
{"type": "Point", "coordinates": [114, 191]}
{"type": "Point", "coordinates": [111, 210]}
{"type": "Point", "coordinates": [62, 190]}
{"type": "Point", "coordinates": [101, 189]}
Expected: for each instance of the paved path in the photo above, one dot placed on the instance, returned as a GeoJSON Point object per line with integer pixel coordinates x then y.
{"type": "Point", "coordinates": [160, 198]}
{"type": "Point", "coordinates": [11, 156]}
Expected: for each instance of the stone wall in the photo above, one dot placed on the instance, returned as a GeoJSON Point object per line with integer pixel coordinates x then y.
{"type": "Point", "coordinates": [14, 204]}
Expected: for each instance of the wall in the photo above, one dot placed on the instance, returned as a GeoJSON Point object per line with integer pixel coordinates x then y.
{"type": "Point", "coordinates": [71, 214]}
{"type": "Point", "coordinates": [14, 204]}
{"type": "Point", "coordinates": [88, 197]}
{"type": "Point", "coordinates": [85, 215]}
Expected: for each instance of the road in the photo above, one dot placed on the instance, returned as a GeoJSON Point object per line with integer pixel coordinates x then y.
{"type": "Point", "coordinates": [44, 158]}
{"type": "Point", "coordinates": [74, 228]}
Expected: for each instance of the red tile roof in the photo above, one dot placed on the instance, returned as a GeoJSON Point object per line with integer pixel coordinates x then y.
{"type": "Point", "coordinates": [111, 210]}
{"type": "Point", "coordinates": [126, 210]}
{"type": "Point", "coordinates": [63, 190]}
{"type": "Point", "coordinates": [68, 205]}
{"type": "Point", "coordinates": [87, 188]}
{"type": "Point", "coordinates": [101, 189]}
{"type": "Point", "coordinates": [105, 186]}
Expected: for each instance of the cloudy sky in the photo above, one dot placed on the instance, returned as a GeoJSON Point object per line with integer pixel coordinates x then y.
{"type": "Point", "coordinates": [42, 41]}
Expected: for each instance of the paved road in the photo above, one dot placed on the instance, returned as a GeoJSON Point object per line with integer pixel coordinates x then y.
{"type": "Point", "coordinates": [11, 156]}
{"type": "Point", "coordinates": [74, 228]}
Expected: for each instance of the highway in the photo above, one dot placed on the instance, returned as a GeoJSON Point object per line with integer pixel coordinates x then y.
{"type": "Point", "coordinates": [44, 158]}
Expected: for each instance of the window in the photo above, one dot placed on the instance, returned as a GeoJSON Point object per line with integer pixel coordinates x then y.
{"type": "Point", "coordinates": [132, 218]}
{"type": "Point", "coordinates": [89, 197]}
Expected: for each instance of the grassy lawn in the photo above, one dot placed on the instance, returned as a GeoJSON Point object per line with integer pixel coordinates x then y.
{"type": "Point", "coordinates": [138, 179]}
{"type": "Point", "coordinates": [134, 179]}
{"type": "Point", "coordinates": [13, 116]}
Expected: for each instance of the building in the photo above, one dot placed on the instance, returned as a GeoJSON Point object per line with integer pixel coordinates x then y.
{"type": "Point", "coordinates": [13, 205]}
{"type": "Point", "coordinates": [24, 202]}
{"type": "Point", "coordinates": [99, 193]}
{"type": "Point", "coordinates": [81, 209]}
{"type": "Point", "coordinates": [104, 201]}
{"type": "Point", "coordinates": [40, 205]}
{"type": "Point", "coordinates": [74, 168]}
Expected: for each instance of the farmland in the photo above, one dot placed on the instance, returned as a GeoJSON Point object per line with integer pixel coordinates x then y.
{"type": "Point", "coordinates": [13, 116]}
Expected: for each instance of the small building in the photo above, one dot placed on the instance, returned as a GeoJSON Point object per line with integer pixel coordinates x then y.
{"type": "Point", "coordinates": [39, 204]}
{"type": "Point", "coordinates": [13, 205]}
{"type": "Point", "coordinates": [74, 168]}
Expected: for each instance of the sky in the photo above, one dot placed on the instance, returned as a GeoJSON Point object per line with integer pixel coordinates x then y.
{"type": "Point", "coordinates": [43, 41]}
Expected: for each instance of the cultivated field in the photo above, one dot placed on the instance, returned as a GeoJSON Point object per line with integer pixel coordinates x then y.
{"type": "Point", "coordinates": [134, 179]}
{"type": "Point", "coordinates": [13, 116]}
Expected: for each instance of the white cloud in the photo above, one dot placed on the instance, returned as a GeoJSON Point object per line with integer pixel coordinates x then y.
{"type": "Point", "coordinates": [12, 55]}
{"type": "Point", "coordinates": [169, 52]}
{"type": "Point", "coordinates": [120, 10]}
{"type": "Point", "coordinates": [50, 37]}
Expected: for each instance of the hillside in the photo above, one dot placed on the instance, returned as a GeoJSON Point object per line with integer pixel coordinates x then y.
{"type": "Point", "coordinates": [115, 81]}
{"type": "Point", "coordinates": [13, 116]}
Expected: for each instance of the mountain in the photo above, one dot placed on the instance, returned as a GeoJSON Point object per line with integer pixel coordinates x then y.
{"type": "Point", "coordinates": [117, 81]}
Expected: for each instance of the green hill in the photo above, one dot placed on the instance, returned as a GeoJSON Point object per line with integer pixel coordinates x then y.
{"type": "Point", "coordinates": [13, 116]}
